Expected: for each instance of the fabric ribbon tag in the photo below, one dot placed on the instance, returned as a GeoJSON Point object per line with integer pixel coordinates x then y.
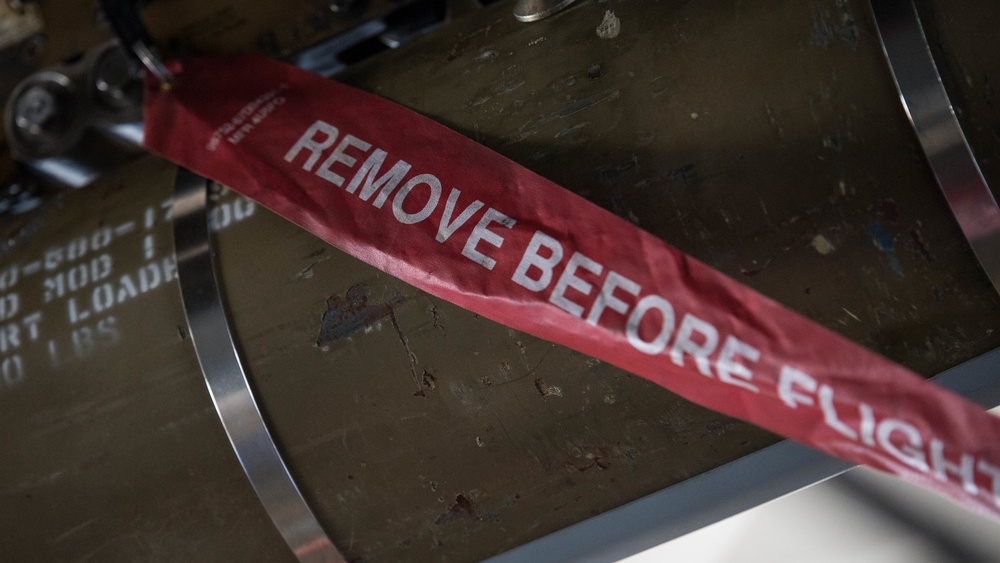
{"type": "Point", "coordinates": [455, 219]}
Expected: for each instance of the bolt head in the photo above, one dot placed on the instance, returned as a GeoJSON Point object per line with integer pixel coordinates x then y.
{"type": "Point", "coordinates": [341, 6]}
{"type": "Point", "coordinates": [36, 110]}
{"type": "Point", "coordinates": [42, 115]}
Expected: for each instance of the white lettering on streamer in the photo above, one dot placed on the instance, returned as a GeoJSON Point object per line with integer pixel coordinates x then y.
{"type": "Point", "coordinates": [585, 288]}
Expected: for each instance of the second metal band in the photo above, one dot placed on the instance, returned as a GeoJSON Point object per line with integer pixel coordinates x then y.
{"type": "Point", "coordinates": [929, 109]}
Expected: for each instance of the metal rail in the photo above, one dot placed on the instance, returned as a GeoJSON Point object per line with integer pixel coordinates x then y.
{"type": "Point", "coordinates": [732, 488]}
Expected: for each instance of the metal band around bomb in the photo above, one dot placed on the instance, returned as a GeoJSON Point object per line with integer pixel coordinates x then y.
{"type": "Point", "coordinates": [227, 382]}
{"type": "Point", "coordinates": [930, 111]}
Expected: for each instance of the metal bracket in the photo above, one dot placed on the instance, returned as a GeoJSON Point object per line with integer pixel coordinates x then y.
{"type": "Point", "coordinates": [227, 382]}
{"type": "Point", "coordinates": [722, 492]}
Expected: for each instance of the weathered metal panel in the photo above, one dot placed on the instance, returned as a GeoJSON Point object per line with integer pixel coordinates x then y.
{"type": "Point", "coordinates": [764, 138]}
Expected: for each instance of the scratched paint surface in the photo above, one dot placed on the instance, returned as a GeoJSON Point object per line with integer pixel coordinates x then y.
{"type": "Point", "coordinates": [112, 449]}
{"type": "Point", "coordinates": [739, 150]}
{"type": "Point", "coordinates": [461, 436]}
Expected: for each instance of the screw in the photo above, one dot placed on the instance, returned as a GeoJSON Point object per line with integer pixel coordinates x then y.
{"type": "Point", "coordinates": [32, 47]}
{"type": "Point", "coordinates": [18, 193]}
{"type": "Point", "coordinates": [341, 6]}
{"type": "Point", "coordinates": [36, 110]}
{"type": "Point", "coordinates": [116, 80]}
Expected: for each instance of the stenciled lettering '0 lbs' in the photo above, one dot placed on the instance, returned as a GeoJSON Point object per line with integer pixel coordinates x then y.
{"type": "Point", "coordinates": [765, 139]}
